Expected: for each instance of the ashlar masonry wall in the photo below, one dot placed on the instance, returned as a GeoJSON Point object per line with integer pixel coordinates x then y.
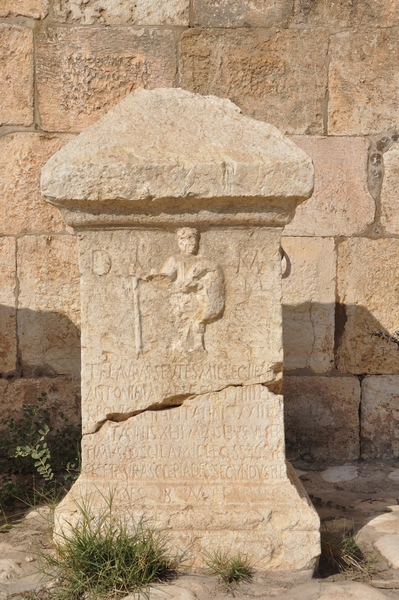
{"type": "Point", "coordinates": [323, 72]}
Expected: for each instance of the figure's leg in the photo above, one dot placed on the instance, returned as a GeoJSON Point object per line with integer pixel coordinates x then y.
{"type": "Point", "coordinates": [182, 325]}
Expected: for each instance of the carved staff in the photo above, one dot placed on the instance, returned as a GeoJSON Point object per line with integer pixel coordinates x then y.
{"type": "Point", "coordinates": [137, 317]}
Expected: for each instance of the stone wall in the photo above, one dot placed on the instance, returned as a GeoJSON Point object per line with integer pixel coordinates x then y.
{"type": "Point", "coordinates": [323, 72]}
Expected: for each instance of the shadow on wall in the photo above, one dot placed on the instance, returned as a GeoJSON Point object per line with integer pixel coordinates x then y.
{"type": "Point", "coordinates": [335, 409]}
{"type": "Point", "coordinates": [39, 352]}
{"type": "Point", "coordinates": [341, 373]}
{"type": "Point", "coordinates": [49, 344]}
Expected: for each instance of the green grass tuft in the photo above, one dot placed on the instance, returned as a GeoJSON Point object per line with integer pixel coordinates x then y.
{"type": "Point", "coordinates": [230, 569]}
{"type": "Point", "coordinates": [107, 556]}
{"type": "Point", "coordinates": [341, 554]}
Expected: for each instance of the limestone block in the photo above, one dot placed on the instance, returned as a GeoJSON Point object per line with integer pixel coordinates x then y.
{"type": "Point", "coordinates": [309, 273]}
{"type": "Point", "coordinates": [22, 209]}
{"type": "Point", "coordinates": [341, 203]}
{"type": "Point", "coordinates": [35, 9]}
{"type": "Point", "coordinates": [390, 191]}
{"type": "Point", "coordinates": [49, 305]}
{"type": "Point", "coordinates": [242, 13]}
{"type": "Point", "coordinates": [16, 75]}
{"type": "Point", "coordinates": [340, 474]}
{"type": "Point", "coordinates": [154, 352]}
{"type": "Point", "coordinates": [363, 82]}
{"type": "Point", "coordinates": [346, 13]}
{"type": "Point", "coordinates": [380, 417]}
{"type": "Point", "coordinates": [381, 535]}
{"type": "Point", "coordinates": [349, 590]}
{"type": "Point", "coordinates": [117, 12]}
{"type": "Point", "coordinates": [276, 76]}
{"type": "Point", "coordinates": [388, 546]}
{"type": "Point", "coordinates": [63, 395]}
{"type": "Point", "coordinates": [343, 590]}
{"type": "Point", "coordinates": [203, 462]}
{"type": "Point", "coordinates": [147, 149]}
{"type": "Point", "coordinates": [8, 327]}
{"type": "Point", "coordinates": [367, 329]}
{"type": "Point", "coordinates": [82, 72]}
{"type": "Point", "coordinates": [322, 418]}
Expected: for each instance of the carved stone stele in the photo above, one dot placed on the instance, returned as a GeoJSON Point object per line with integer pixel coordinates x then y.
{"type": "Point", "coordinates": [179, 203]}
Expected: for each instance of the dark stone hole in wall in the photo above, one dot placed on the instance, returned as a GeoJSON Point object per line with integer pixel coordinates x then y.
{"type": "Point", "coordinates": [344, 408]}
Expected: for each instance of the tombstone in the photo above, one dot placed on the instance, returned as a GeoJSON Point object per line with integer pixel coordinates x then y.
{"type": "Point", "coordinates": [179, 202]}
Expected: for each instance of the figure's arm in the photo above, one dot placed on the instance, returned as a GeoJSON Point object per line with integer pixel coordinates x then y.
{"type": "Point", "coordinates": [168, 271]}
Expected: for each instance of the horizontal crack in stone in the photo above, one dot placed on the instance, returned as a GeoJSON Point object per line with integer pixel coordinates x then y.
{"type": "Point", "coordinates": [177, 401]}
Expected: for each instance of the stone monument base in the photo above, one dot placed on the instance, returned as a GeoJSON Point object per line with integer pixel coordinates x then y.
{"type": "Point", "coordinates": [210, 473]}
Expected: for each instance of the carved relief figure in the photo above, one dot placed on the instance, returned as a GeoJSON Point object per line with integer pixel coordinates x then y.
{"type": "Point", "coordinates": [197, 290]}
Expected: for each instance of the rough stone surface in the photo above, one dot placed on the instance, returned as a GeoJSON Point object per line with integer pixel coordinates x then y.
{"type": "Point", "coordinates": [339, 474]}
{"type": "Point", "coordinates": [49, 306]}
{"type": "Point", "coordinates": [116, 12]}
{"type": "Point", "coordinates": [173, 591]}
{"type": "Point", "coordinates": [363, 82]}
{"type": "Point", "coordinates": [309, 267]}
{"type": "Point", "coordinates": [82, 72]}
{"type": "Point", "coordinates": [345, 590]}
{"type": "Point", "coordinates": [349, 590]}
{"type": "Point", "coordinates": [180, 152]}
{"type": "Point", "coordinates": [220, 466]}
{"type": "Point", "coordinates": [390, 191]}
{"type": "Point", "coordinates": [8, 327]}
{"type": "Point", "coordinates": [22, 209]}
{"type": "Point", "coordinates": [153, 352]}
{"type": "Point", "coordinates": [388, 546]}
{"type": "Point", "coordinates": [19, 546]}
{"type": "Point", "coordinates": [346, 13]}
{"type": "Point", "coordinates": [16, 75]}
{"type": "Point", "coordinates": [341, 203]}
{"type": "Point", "coordinates": [36, 9]}
{"type": "Point", "coordinates": [368, 275]}
{"type": "Point", "coordinates": [63, 394]}
{"type": "Point", "coordinates": [242, 13]}
{"type": "Point", "coordinates": [257, 70]}
{"type": "Point", "coordinates": [380, 417]}
{"type": "Point", "coordinates": [322, 418]}
{"type": "Point", "coordinates": [9, 569]}
{"type": "Point", "coordinates": [381, 534]}
{"type": "Point", "coordinates": [394, 475]}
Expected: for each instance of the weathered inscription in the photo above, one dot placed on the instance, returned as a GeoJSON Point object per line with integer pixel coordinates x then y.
{"type": "Point", "coordinates": [188, 471]}
{"type": "Point", "coordinates": [118, 387]}
{"type": "Point", "coordinates": [235, 434]}
{"type": "Point", "coordinates": [132, 371]}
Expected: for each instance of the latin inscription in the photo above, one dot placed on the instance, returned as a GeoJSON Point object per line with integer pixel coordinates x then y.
{"type": "Point", "coordinates": [188, 471]}
{"type": "Point", "coordinates": [236, 434]}
{"type": "Point", "coordinates": [121, 387]}
{"type": "Point", "coordinates": [129, 371]}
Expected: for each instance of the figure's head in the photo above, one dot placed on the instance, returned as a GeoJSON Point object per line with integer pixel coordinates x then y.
{"type": "Point", "coordinates": [188, 240]}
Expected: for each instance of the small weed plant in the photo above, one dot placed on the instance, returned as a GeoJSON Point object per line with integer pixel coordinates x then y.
{"type": "Point", "coordinates": [341, 554]}
{"type": "Point", "coordinates": [35, 456]}
{"type": "Point", "coordinates": [107, 556]}
{"type": "Point", "coordinates": [230, 569]}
